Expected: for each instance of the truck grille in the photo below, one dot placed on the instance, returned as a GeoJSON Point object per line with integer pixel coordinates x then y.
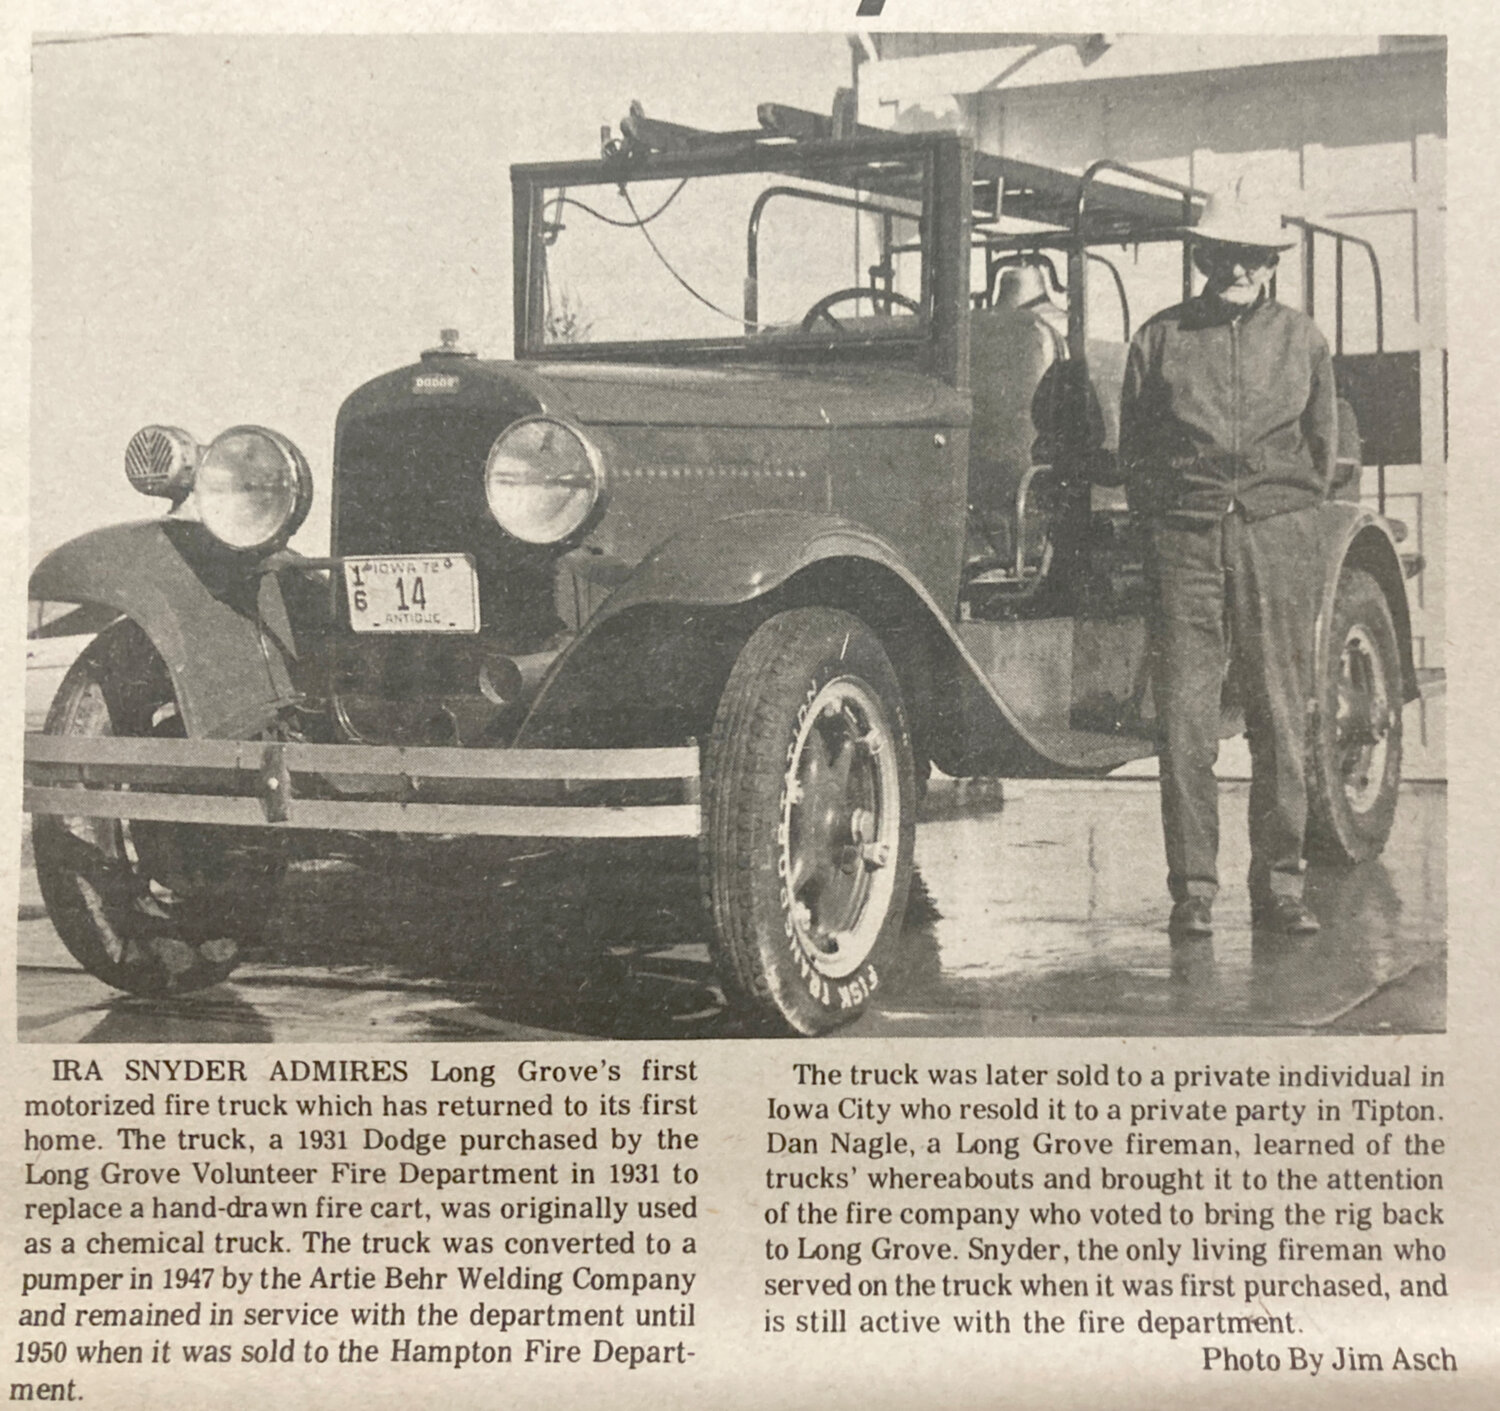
{"type": "Point", "coordinates": [412, 481]}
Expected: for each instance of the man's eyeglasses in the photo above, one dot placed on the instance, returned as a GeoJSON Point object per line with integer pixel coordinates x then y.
{"type": "Point", "coordinates": [1247, 257]}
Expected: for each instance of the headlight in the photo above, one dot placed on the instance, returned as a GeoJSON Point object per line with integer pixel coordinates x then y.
{"type": "Point", "coordinates": [160, 461]}
{"type": "Point", "coordinates": [252, 489]}
{"type": "Point", "coordinates": [542, 480]}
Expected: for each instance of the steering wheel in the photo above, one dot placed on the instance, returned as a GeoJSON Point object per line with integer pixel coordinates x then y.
{"type": "Point", "coordinates": [877, 297]}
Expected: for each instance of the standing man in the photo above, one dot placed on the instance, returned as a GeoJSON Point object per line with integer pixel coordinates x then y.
{"type": "Point", "coordinates": [1227, 440]}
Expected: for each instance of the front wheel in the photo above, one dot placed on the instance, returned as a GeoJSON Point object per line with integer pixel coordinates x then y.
{"type": "Point", "coordinates": [1354, 754]}
{"type": "Point", "coordinates": [810, 820]}
{"type": "Point", "coordinates": [150, 908]}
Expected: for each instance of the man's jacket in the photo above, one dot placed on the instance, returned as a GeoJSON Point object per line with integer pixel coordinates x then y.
{"type": "Point", "coordinates": [1224, 408]}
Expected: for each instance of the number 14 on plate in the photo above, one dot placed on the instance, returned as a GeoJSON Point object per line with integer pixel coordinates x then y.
{"type": "Point", "coordinates": [412, 593]}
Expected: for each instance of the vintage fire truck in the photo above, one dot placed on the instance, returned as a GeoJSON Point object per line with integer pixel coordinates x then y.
{"type": "Point", "coordinates": [796, 486]}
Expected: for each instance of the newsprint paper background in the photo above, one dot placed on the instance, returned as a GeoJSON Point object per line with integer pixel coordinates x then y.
{"type": "Point", "coordinates": [225, 213]}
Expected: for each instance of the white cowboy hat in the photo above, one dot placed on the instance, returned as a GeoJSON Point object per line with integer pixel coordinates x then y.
{"type": "Point", "coordinates": [1230, 219]}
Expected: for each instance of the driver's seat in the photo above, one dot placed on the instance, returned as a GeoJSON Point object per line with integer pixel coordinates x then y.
{"type": "Point", "coordinates": [1012, 346]}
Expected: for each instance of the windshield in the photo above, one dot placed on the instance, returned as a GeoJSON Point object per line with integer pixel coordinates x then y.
{"type": "Point", "coordinates": [831, 253]}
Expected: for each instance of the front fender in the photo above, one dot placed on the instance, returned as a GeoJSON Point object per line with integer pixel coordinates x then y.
{"type": "Point", "coordinates": [649, 664]}
{"type": "Point", "coordinates": [661, 641]}
{"type": "Point", "coordinates": [1358, 538]}
{"type": "Point", "coordinates": [745, 556]}
{"type": "Point", "coordinates": [223, 632]}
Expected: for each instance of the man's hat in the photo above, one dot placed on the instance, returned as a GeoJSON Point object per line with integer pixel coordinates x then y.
{"type": "Point", "coordinates": [1231, 219]}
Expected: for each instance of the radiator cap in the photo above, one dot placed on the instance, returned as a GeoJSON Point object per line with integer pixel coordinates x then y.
{"type": "Point", "coordinates": [451, 345]}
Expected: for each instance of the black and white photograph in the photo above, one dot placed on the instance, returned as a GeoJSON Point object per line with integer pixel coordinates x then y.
{"type": "Point", "coordinates": [916, 549]}
{"type": "Point", "coordinates": [653, 536]}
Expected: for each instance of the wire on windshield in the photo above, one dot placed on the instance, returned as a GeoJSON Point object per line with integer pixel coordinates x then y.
{"type": "Point", "coordinates": [563, 199]}
{"type": "Point", "coordinates": [667, 264]}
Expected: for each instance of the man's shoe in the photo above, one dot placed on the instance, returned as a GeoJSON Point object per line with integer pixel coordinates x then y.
{"type": "Point", "coordinates": [1284, 915]}
{"type": "Point", "coordinates": [1193, 917]}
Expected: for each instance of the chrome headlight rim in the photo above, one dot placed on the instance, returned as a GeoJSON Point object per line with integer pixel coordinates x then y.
{"type": "Point", "coordinates": [579, 522]}
{"type": "Point", "coordinates": [299, 481]}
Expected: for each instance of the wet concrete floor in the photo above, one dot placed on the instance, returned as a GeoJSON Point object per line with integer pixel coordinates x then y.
{"type": "Point", "coordinates": [1038, 908]}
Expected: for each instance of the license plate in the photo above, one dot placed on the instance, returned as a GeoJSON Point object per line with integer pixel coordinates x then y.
{"type": "Point", "coordinates": [412, 593]}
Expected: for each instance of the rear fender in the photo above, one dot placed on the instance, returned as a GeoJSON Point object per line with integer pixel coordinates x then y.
{"type": "Point", "coordinates": [650, 665]}
{"type": "Point", "coordinates": [1360, 539]}
{"type": "Point", "coordinates": [223, 633]}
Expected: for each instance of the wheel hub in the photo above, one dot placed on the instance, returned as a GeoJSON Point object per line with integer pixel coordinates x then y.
{"type": "Point", "coordinates": [1362, 722]}
{"type": "Point", "coordinates": [840, 816]}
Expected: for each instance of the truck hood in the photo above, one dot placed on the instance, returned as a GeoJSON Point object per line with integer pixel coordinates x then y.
{"type": "Point", "coordinates": [638, 395]}
{"type": "Point", "coordinates": [680, 446]}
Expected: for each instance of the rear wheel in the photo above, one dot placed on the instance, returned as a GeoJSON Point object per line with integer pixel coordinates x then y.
{"type": "Point", "coordinates": [150, 908]}
{"type": "Point", "coordinates": [1354, 757]}
{"type": "Point", "coordinates": [810, 826]}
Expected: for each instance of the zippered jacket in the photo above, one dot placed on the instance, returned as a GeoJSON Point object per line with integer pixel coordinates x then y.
{"type": "Point", "coordinates": [1224, 408]}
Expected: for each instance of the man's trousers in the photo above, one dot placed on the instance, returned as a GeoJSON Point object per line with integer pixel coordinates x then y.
{"type": "Point", "coordinates": [1244, 595]}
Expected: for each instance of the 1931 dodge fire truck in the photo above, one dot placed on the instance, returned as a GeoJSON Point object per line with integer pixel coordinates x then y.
{"type": "Point", "coordinates": [796, 485]}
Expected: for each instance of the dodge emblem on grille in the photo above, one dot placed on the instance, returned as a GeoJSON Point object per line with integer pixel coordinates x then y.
{"type": "Point", "coordinates": [430, 382]}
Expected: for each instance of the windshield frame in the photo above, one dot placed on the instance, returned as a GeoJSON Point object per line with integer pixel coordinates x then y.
{"type": "Point", "coordinates": [772, 155]}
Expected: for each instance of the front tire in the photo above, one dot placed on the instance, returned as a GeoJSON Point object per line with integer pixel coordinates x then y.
{"type": "Point", "coordinates": [150, 908]}
{"type": "Point", "coordinates": [810, 823]}
{"type": "Point", "coordinates": [1354, 755]}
